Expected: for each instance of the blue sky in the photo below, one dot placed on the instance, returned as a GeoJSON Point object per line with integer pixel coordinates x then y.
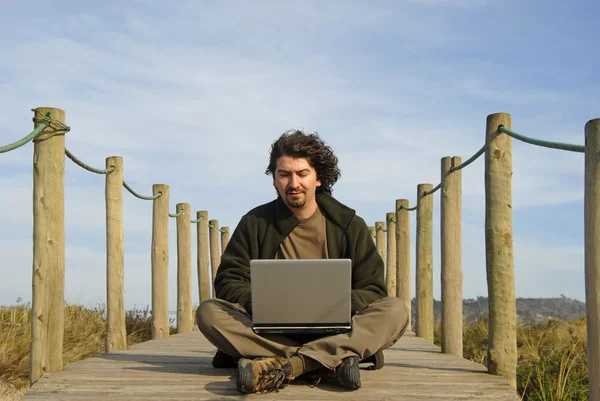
{"type": "Point", "coordinates": [192, 94]}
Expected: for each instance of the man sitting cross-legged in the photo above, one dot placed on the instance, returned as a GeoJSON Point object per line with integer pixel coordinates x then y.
{"type": "Point", "coordinates": [303, 222]}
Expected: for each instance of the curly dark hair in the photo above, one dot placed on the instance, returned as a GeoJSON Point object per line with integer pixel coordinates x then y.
{"type": "Point", "coordinates": [320, 156]}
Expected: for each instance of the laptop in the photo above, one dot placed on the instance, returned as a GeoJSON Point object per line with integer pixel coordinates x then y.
{"type": "Point", "coordinates": [301, 296]}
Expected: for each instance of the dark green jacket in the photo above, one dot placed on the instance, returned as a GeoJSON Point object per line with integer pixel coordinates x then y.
{"type": "Point", "coordinates": [261, 231]}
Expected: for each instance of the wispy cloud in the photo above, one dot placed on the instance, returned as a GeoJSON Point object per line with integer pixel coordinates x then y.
{"type": "Point", "coordinates": [193, 95]}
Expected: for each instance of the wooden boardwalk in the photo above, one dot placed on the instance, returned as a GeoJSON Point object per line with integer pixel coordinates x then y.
{"type": "Point", "coordinates": [179, 368]}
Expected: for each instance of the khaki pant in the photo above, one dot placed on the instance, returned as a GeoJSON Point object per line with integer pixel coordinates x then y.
{"type": "Point", "coordinates": [229, 328]}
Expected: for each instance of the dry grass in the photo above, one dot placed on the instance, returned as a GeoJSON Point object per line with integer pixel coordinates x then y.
{"type": "Point", "coordinates": [552, 358]}
{"type": "Point", "coordinates": [8, 392]}
{"type": "Point", "coordinates": [84, 336]}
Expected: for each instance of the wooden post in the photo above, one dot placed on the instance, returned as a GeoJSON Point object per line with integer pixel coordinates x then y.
{"type": "Point", "coordinates": [390, 278]}
{"type": "Point", "coordinates": [502, 342]}
{"type": "Point", "coordinates": [380, 242]}
{"type": "Point", "coordinates": [372, 231]}
{"type": "Point", "coordinates": [160, 262]}
{"type": "Point", "coordinates": [204, 277]}
{"type": "Point", "coordinates": [13, 315]}
{"type": "Point", "coordinates": [592, 253]}
{"type": "Point", "coordinates": [184, 269]}
{"type": "Point", "coordinates": [451, 257]}
{"type": "Point", "coordinates": [424, 281]}
{"type": "Point", "coordinates": [215, 254]}
{"type": "Point", "coordinates": [224, 238]}
{"type": "Point", "coordinates": [403, 256]}
{"type": "Point", "coordinates": [48, 284]}
{"type": "Point", "coordinates": [116, 336]}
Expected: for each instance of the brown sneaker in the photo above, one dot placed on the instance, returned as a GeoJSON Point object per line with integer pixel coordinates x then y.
{"type": "Point", "coordinates": [262, 375]}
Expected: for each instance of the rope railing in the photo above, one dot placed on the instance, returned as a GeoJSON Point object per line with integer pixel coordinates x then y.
{"type": "Point", "coordinates": [179, 213]}
{"type": "Point", "coordinates": [469, 161]}
{"type": "Point", "coordinates": [58, 126]}
{"type": "Point", "coordinates": [433, 190]}
{"type": "Point", "coordinates": [455, 168]}
{"type": "Point", "coordinates": [45, 122]}
{"type": "Point", "coordinates": [141, 196]}
{"type": "Point", "coordinates": [23, 141]}
{"type": "Point", "coordinates": [540, 142]}
{"type": "Point", "coordinates": [48, 137]}
{"type": "Point", "coordinates": [87, 166]}
{"type": "Point", "coordinates": [498, 251]}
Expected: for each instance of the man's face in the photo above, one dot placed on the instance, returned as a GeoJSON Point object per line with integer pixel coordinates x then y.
{"type": "Point", "coordinates": [296, 181]}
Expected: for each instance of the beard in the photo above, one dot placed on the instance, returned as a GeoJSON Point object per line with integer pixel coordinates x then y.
{"type": "Point", "coordinates": [295, 201]}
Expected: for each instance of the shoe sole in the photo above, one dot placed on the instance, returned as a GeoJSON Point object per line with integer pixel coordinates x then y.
{"type": "Point", "coordinates": [245, 375]}
{"type": "Point", "coordinates": [352, 379]}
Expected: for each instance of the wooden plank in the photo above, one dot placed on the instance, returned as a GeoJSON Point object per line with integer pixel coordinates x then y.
{"type": "Point", "coordinates": [179, 368]}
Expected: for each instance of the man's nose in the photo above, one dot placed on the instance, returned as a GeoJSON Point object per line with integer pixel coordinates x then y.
{"type": "Point", "coordinates": [294, 181]}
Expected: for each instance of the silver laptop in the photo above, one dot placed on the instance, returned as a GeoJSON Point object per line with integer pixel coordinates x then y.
{"type": "Point", "coordinates": [301, 296]}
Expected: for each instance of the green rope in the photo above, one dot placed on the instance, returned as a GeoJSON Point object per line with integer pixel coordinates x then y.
{"type": "Point", "coordinates": [177, 214]}
{"type": "Point", "coordinates": [25, 140]}
{"type": "Point", "coordinates": [381, 229]}
{"type": "Point", "coordinates": [373, 233]}
{"type": "Point", "coordinates": [198, 220]}
{"type": "Point", "coordinates": [471, 160]}
{"type": "Point", "coordinates": [433, 190]}
{"type": "Point", "coordinates": [392, 219]}
{"type": "Point", "coordinates": [141, 196]}
{"type": "Point", "coordinates": [223, 230]}
{"type": "Point", "coordinates": [409, 209]}
{"type": "Point", "coordinates": [87, 167]}
{"type": "Point", "coordinates": [58, 126]}
{"type": "Point", "coordinates": [540, 142]}
{"type": "Point", "coordinates": [211, 225]}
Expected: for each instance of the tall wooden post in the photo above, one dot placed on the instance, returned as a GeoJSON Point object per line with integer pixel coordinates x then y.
{"type": "Point", "coordinates": [116, 336]}
{"type": "Point", "coordinates": [451, 260]}
{"type": "Point", "coordinates": [203, 255]}
{"type": "Point", "coordinates": [160, 262]}
{"type": "Point", "coordinates": [390, 278]}
{"type": "Point", "coordinates": [380, 242]}
{"type": "Point", "coordinates": [224, 238]}
{"type": "Point", "coordinates": [215, 253]}
{"type": "Point", "coordinates": [592, 253]}
{"type": "Point", "coordinates": [403, 256]}
{"type": "Point", "coordinates": [424, 281]}
{"type": "Point", "coordinates": [502, 343]}
{"type": "Point", "coordinates": [48, 284]}
{"type": "Point", "coordinates": [184, 269]}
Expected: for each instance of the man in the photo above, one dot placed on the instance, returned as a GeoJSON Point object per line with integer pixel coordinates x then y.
{"type": "Point", "coordinates": [303, 222]}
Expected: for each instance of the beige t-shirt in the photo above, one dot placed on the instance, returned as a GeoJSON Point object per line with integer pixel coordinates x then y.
{"type": "Point", "coordinates": [308, 240]}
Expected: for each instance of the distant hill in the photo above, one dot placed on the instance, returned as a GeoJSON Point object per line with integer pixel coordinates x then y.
{"type": "Point", "coordinates": [529, 310]}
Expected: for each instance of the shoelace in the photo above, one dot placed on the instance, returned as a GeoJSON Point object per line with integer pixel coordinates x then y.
{"type": "Point", "coordinates": [270, 380]}
{"type": "Point", "coordinates": [329, 376]}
